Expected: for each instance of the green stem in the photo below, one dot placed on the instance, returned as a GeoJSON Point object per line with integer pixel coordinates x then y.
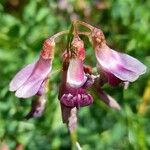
{"type": "Point", "coordinates": [69, 38]}
{"type": "Point", "coordinates": [73, 137]}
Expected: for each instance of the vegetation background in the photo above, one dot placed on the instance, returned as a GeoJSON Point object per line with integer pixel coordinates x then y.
{"type": "Point", "coordinates": [24, 25]}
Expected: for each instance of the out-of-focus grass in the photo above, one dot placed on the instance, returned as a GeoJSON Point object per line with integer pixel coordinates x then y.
{"type": "Point", "coordinates": [23, 27]}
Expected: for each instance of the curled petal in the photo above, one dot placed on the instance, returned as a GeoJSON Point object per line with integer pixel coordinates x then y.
{"type": "Point", "coordinates": [78, 100]}
{"type": "Point", "coordinates": [107, 99]}
{"type": "Point", "coordinates": [89, 82]}
{"type": "Point", "coordinates": [21, 77]}
{"type": "Point", "coordinates": [75, 75]}
{"type": "Point", "coordinates": [121, 65]}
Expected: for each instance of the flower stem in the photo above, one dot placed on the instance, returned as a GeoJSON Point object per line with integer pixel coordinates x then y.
{"type": "Point", "coordinates": [59, 34]}
{"type": "Point", "coordinates": [84, 24]}
{"type": "Point", "coordinates": [73, 138]}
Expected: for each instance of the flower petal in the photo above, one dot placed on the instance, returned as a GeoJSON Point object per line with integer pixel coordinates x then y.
{"type": "Point", "coordinates": [21, 77]}
{"type": "Point", "coordinates": [107, 99]}
{"type": "Point", "coordinates": [112, 80]}
{"type": "Point", "coordinates": [33, 83]}
{"type": "Point", "coordinates": [121, 65]}
{"type": "Point", "coordinates": [75, 75]}
{"type": "Point", "coordinates": [29, 89]}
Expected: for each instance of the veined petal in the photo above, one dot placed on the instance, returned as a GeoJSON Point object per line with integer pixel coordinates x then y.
{"type": "Point", "coordinates": [75, 75]}
{"type": "Point", "coordinates": [21, 77]}
{"type": "Point", "coordinates": [29, 89]}
{"type": "Point", "coordinates": [121, 65]}
{"type": "Point", "coordinates": [34, 82]}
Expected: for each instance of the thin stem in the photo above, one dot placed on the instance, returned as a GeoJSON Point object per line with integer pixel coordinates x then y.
{"type": "Point", "coordinates": [84, 24]}
{"type": "Point", "coordinates": [84, 33]}
{"type": "Point", "coordinates": [73, 138]}
{"type": "Point", "coordinates": [59, 34]}
{"type": "Point", "coordinates": [69, 38]}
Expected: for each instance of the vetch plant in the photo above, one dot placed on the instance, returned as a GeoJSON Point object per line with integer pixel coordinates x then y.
{"type": "Point", "coordinates": [113, 68]}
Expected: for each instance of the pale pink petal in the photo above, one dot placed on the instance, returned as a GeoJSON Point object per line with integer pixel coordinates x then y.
{"type": "Point", "coordinates": [29, 89]}
{"type": "Point", "coordinates": [34, 82]}
{"type": "Point", "coordinates": [124, 74]}
{"type": "Point", "coordinates": [75, 75]}
{"type": "Point", "coordinates": [132, 63]}
{"type": "Point", "coordinates": [107, 99]}
{"type": "Point", "coordinates": [21, 77]}
{"type": "Point", "coordinates": [121, 65]}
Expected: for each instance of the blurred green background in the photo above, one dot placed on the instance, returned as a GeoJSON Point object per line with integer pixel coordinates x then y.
{"type": "Point", "coordinates": [24, 25]}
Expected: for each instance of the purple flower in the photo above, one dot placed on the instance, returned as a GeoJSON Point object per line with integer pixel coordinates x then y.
{"type": "Point", "coordinates": [28, 81]}
{"type": "Point", "coordinates": [116, 66]}
{"type": "Point", "coordinates": [72, 94]}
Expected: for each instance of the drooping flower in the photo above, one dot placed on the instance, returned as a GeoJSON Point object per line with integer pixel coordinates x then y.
{"type": "Point", "coordinates": [71, 97]}
{"type": "Point", "coordinates": [116, 66]}
{"type": "Point", "coordinates": [28, 81]}
{"type": "Point", "coordinates": [72, 92]}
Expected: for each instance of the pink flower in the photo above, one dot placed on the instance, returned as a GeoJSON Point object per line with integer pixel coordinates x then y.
{"type": "Point", "coordinates": [29, 81]}
{"type": "Point", "coordinates": [72, 92]}
{"type": "Point", "coordinates": [116, 66]}
{"type": "Point", "coordinates": [74, 96]}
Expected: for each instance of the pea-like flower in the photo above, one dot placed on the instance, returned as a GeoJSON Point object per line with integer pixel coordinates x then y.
{"type": "Point", "coordinates": [28, 81]}
{"type": "Point", "coordinates": [116, 66]}
{"type": "Point", "coordinates": [77, 79]}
